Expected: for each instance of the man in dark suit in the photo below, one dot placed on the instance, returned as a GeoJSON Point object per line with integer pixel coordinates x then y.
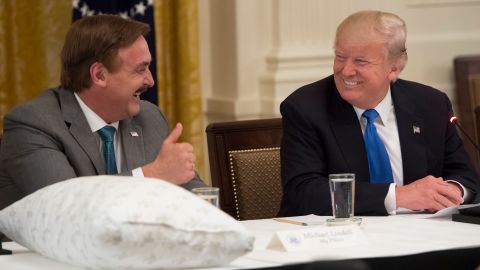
{"type": "Point", "coordinates": [324, 127]}
{"type": "Point", "coordinates": [56, 136]}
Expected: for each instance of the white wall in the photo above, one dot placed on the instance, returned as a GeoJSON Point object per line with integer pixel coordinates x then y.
{"type": "Point", "coordinates": [256, 52]}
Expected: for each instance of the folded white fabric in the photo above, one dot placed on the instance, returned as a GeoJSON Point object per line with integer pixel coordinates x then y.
{"type": "Point", "coordinates": [115, 222]}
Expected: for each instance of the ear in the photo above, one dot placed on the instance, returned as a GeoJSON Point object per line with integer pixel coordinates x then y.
{"type": "Point", "coordinates": [395, 70]}
{"type": "Point", "coordinates": [97, 74]}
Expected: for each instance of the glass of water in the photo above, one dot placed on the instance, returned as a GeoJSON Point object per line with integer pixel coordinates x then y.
{"type": "Point", "coordinates": [342, 193]}
{"type": "Point", "coordinates": [210, 194]}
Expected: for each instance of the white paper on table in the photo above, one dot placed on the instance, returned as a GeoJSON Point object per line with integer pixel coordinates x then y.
{"type": "Point", "coordinates": [465, 206]}
{"type": "Point", "coordinates": [446, 212]}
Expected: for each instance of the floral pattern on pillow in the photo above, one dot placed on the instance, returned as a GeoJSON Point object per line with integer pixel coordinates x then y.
{"type": "Point", "coordinates": [118, 222]}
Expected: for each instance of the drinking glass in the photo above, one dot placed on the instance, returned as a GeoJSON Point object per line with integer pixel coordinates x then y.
{"type": "Point", "coordinates": [210, 194]}
{"type": "Point", "coordinates": [342, 193]}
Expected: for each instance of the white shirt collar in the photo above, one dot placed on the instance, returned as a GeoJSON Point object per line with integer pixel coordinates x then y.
{"type": "Point", "coordinates": [383, 108]}
{"type": "Point", "coordinates": [94, 121]}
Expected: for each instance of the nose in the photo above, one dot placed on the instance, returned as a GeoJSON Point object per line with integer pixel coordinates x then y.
{"type": "Point", "coordinates": [149, 79]}
{"type": "Point", "coordinates": [348, 68]}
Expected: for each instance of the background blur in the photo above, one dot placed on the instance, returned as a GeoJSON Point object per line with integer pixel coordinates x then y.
{"type": "Point", "coordinates": [222, 60]}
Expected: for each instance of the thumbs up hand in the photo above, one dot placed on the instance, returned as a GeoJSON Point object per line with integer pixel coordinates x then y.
{"type": "Point", "coordinates": [174, 135]}
{"type": "Point", "coordinates": [175, 162]}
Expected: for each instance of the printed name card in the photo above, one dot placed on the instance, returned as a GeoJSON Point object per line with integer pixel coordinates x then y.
{"type": "Point", "coordinates": [317, 237]}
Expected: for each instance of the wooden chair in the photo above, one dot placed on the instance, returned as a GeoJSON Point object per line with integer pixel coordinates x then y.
{"type": "Point", "coordinates": [477, 123]}
{"type": "Point", "coordinates": [245, 165]}
{"type": "Point", "coordinates": [3, 238]}
{"type": "Point", "coordinates": [467, 80]}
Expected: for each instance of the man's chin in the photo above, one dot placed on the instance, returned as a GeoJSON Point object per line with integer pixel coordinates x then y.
{"type": "Point", "coordinates": [348, 94]}
{"type": "Point", "coordinates": [352, 97]}
{"type": "Point", "coordinates": [134, 110]}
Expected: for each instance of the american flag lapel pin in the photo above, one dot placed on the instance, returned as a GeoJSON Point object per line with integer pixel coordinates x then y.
{"type": "Point", "coordinates": [134, 133]}
{"type": "Point", "coordinates": [416, 130]}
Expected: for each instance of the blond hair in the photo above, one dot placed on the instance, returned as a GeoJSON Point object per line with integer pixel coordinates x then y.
{"type": "Point", "coordinates": [373, 25]}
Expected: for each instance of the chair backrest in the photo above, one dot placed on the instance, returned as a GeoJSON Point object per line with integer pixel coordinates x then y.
{"type": "Point", "coordinates": [3, 238]}
{"type": "Point", "coordinates": [467, 78]}
{"type": "Point", "coordinates": [245, 165]}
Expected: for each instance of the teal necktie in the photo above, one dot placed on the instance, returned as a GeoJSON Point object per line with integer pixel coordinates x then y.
{"type": "Point", "coordinates": [107, 133]}
{"type": "Point", "coordinates": [378, 161]}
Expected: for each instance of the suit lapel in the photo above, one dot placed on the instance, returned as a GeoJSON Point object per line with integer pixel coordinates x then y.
{"type": "Point", "coordinates": [132, 144]}
{"type": "Point", "coordinates": [348, 133]}
{"type": "Point", "coordinates": [80, 130]}
{"type": "Point", "coordinates": [410, 131]}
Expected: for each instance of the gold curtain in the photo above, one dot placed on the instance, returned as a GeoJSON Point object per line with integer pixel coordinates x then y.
{"type": "Point", "coordinates": [31, 37]}
{"type": "Point", "coordinates": [178, 82]}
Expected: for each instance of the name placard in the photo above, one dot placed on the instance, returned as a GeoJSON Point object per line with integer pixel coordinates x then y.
{"type": "Point", "coordinates": [314, 238]}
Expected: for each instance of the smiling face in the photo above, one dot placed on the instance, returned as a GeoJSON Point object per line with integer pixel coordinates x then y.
{"type": "Point", "coordinates": [120, 96]}
{"type": "Point", "coordinates": [370, 52]}
{"type": "Point", "coordinates": [362, 72]}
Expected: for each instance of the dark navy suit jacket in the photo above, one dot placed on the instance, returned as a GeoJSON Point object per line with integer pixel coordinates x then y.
{"type": "Point", "coordinates": [322, 135]}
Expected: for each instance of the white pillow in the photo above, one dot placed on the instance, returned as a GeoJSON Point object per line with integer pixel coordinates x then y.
{"type": "Point", "coordinates": [115, 222]}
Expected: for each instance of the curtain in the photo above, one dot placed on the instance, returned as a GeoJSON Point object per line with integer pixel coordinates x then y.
{"type": "Point", "coordinates": [31, 37]}
{"type": "Point", "coordinates": [176, 30]}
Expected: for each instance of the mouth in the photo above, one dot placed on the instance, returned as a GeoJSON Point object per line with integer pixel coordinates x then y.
{"type": "Point", "coordinates": [351, 83]}
{"type": "Point", "coordinates": [139, 92]}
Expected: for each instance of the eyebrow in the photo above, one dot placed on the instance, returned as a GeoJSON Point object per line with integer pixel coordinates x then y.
{"type": "Point", "coordinates": [144, 63]}
{"type": "Point", "coordinates": [361, 57]}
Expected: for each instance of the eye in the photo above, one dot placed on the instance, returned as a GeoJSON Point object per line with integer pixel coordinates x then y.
{"type": "Point", "coordinates": [142, 69]}
{"type": "Point", "coordinates": [362, 62]}
{"type": "Point", "coordinates": [340, 58]}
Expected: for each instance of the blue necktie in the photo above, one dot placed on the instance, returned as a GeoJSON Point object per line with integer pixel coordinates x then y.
{"type": "Point", "coordinates": [107, 133]}
{"type": "Point", "coordinates": [378, 161]}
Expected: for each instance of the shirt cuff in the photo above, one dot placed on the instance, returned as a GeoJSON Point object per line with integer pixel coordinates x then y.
{"type": "Point", "coordinates": [391, 200]}
{"type": "Point", "coordinates": [137, 172]}
{"type": "Point", "coordinates": [466, 192]}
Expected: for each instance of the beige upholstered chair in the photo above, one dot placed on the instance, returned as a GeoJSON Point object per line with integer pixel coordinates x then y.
{"type": "Point", "coordinates": [245, 165]}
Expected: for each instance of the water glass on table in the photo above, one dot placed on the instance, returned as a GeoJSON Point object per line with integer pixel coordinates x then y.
{"type": "Point", "coordinates": [210, 194]}
{"type": "Point", "coordinates": [342, 193]}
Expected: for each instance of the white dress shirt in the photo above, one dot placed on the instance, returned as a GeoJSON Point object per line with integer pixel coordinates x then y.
{"type": "Point", "coordinates": [386, 125]}
{"type": "Point", "coordinates": [96, 123]}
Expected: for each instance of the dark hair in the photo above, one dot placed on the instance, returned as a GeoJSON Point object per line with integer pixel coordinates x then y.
{"type": "Point", "coordinates": [95, 39]}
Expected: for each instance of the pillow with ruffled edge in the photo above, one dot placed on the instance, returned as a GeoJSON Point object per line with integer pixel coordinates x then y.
{"type": "Point", "coordinates": [117, 222]}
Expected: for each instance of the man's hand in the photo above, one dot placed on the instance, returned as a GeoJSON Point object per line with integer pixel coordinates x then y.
{"type": "Point", "coordinates": [175, 162]}
{"type": "Point", "coordinates": [429, 193]}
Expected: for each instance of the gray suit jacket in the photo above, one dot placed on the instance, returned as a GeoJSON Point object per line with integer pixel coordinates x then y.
{"type": "Point", "coordinates": [48, 140]}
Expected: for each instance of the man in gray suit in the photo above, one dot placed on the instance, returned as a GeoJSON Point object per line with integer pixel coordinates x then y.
{"type": "Point", "coordinates": [55, 136]}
